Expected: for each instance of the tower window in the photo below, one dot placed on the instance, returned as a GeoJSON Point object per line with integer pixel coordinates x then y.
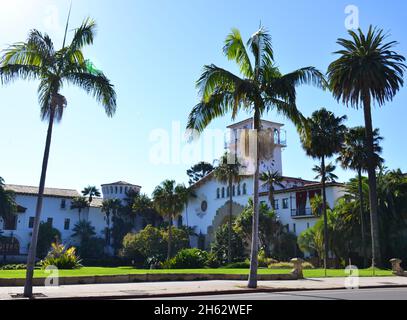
{"type": "Point", "coordinates": [238, 190]}
{"type": "Point", "coordinates": [244, 189]}
{"type": "Point", "coordinates": [223, 192]}
{"type": "Point", "coordinates": [217, 193]}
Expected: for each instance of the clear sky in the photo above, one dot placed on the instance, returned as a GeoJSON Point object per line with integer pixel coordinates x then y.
{"type": "Point", "coordinates": [154, 51]}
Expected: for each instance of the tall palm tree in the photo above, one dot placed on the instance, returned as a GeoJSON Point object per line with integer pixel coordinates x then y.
{"type": "Point", "coordinates": [226, 172]}
{"type": "Point", "coordinates": [79, 203]}
{"type": "Point", "coordinates": [260, 88]}
{"type": "Point", "coordinates": [169, 200]}
{"type": "Point", "coordinates": [91, 191]}
{"type": "Point", "coordinates": [271, 179]}
{"type": "Point", "coordinates": [37, 59]}
{"type": "Point", "coordinates": [325, 140]}
{"type": "Point", "coordinates": [354, 155]}
{"type": "Point", "coordinates": [111, 208]}
{"type": "Point", "coordinates": [368, 70]}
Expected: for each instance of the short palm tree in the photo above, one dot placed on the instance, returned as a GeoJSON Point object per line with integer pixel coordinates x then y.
{"type": "Point", "coordinates": [226, 172]}
{"type": "Point", "coordinates": [79, 203]}
{"type": "Point", "coordinates": [37, 59]}
{"type": "Point", "coordinates": [271, 179]}
{"type": "Point", "coordinates": [354, 155]}
{"type": "Point", "coordinates": [325, 140]}
{"type": "Point", "coordinates": [83, 230]}
{"type": "Point", "coordinates": [367, 70]}
{"type": "Point", "coordinates": [260, 88]}
{"type": "Point", "coordinates": [169, 201]}
{"type": "Point", "coordinates": [91, 191]}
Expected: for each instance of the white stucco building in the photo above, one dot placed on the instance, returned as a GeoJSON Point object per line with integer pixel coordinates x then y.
{"type": "Point", "coordinates": [209, 209]}
{"type": "Point", "coordinates": [16, 231]}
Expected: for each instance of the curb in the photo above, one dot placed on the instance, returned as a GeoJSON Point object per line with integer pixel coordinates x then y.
{"type": "Point", "coordinates": [208, 293]}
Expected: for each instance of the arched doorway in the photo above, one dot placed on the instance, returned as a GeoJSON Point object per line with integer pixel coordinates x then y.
{"type": "Point", "coordinates": [222, 217]}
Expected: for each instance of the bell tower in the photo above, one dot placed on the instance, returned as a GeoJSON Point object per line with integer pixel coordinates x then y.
{"type": "Point", "coordinates": [272, 138]}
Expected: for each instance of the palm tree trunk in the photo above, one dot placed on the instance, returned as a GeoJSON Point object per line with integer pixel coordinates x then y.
{"type": "Point", "coordinates": [255, 227]}
{"type": "Point", "coordinates": [374, 218]}
{"type": "Point", "coordinates": [362, 218]}
{"type": "Point", "coordinates": [28, 287]}
{"type": "Point", "coordinates": [169, 239]}
{"type": "Point", "coordinates": [230, 220]}
{"type": "Point", "coordinates": [324, 209]}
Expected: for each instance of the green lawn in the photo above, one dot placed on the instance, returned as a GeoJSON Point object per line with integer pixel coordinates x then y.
{"type": "Point", "coordinates": [92, 271]}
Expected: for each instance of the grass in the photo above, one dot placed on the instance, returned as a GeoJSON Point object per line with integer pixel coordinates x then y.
{"type": "Point", "coordinates": [101, 271]}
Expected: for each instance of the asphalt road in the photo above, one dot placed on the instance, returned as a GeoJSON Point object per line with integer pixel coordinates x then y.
{"type": "Point", "coordinates": [358, 294]}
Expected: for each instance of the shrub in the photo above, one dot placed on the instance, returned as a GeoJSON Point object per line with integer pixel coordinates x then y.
{"type": "Point", "coordinates": [238, 265]}
{"type": "Point", "coordinates": [13, 267]}
{"type": "Point", "coordinates": [220, 246]}
{"type": "Point", "coordinates": [61, 257]}
{"type": "Point", "coordinates": [46, 236]}
{"type": "Point", "coordinates": [188, 259]}
{"type": "Point", "coordinates": [289, 265]}
{"type": "Point", "coordinates": [149, 246]}
{"type": "Point", "coordinates": [92, 248]}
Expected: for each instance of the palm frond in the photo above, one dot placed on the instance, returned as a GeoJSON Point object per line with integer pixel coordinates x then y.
{"type": "Point", "coordinates": [234, 49]}
{"type": "Point", "coordinates": [260, 45]}
{"type": "Point", "coordinates": [97, 85]}
{"type": "Point", "coordinates": [84, 35]}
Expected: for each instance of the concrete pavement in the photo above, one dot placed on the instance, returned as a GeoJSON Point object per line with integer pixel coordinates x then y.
{"type": "Point", "coordinates": [198, 288]}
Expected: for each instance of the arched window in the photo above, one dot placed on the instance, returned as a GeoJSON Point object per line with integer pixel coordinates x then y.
{"type": "Point", "coordinates": [115, 189]}
{"type": "Point", "coordinates": [223, 192]}
{"type": "Point", "coordinates": [111, 189]}
{"type": "Point", "coordinates": [234, 191]}
{"type": "Point", "coordinates": [244, 189]}
{"type": "Point", "coordinates": [217, 193]}
{"type": "Point", "coordinates": [228, 191]}
{"type": "Point", "coordinates": [121, 189]}
{"type": "Point", "coordinates": [238, 190]}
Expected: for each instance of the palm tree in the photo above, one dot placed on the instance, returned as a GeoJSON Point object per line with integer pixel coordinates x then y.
{"type": "Point", "coordinates": [169, 200]}
{"type": "Point", "coordinates": [91, 191]}
{"type": "Point", "coordinates": [330, 176]}
{"type": "Point", "coordinates": [325, 139]}
{"type": "Point", "coordinates": [79, 203]}
{"type": "Point", "coordinates": [354, 155]}
{"type": "Point", "coordinates": [271, 179]}
{"type": "Point", "coordinates": [260, 89]}
{"type": "Point", "coordinates": [368, 70]}
{"type": "Point", "coordinates": [83, 230]}
{"type": "Point", "coordinates": [110, 207]}
{"type": "Point", "coordinates": [226, 172]}
{"type": "Point", "coordinates": [37, 59]}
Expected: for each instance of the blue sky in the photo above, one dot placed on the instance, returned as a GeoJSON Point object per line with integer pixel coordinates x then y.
{"type": "Point", "coordinates": [154, 51]}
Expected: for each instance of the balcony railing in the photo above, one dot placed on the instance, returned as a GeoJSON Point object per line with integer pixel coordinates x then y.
{"type": "Point", "coordinates": [302, 213]}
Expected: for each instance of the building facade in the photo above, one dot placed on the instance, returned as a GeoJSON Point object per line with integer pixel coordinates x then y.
{"type": "Point", "coordinates": [16, 231]}
{"type": "Point", "coordinates": [210, 208]}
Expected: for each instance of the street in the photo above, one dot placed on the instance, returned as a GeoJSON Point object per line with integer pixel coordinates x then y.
{"type": "Point", "coordinates": [358, 294]}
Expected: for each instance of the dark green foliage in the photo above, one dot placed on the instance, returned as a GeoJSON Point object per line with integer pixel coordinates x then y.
{"type": "Point", "coordinates": [188, 259]}
{"type": "Point", "coordinates": [220, 245]}
{"type": "Point", "coordinates": [93, 248]}
{"type": "Point", "coordinates": [46, 236]}
{"type": "Point", "coordinates": [198, 171]}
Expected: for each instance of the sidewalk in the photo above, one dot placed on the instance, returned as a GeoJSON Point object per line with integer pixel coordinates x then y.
{"type": "Point", "coordinates": [168, 289]}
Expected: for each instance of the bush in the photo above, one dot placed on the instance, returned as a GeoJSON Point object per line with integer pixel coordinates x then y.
{"type": "Point", "coordinates": [61, 258]}
{"type": "Point", "coordinates": [149, 246]}
{"type": "Point", "coordinates": [220, 246]}
{"type": "Point", "coordinates": [289, 265]}
{"type": "Point", "coordinates": [46, 236]}
{"type": "Point", "coordinates": [92, 248]}
{"type": "Point", "coordinates": [238, 265]}
{"type": "Point", "coordinates": [13, 267]}
{"type": "Point", "coordinates": [188, 259]}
